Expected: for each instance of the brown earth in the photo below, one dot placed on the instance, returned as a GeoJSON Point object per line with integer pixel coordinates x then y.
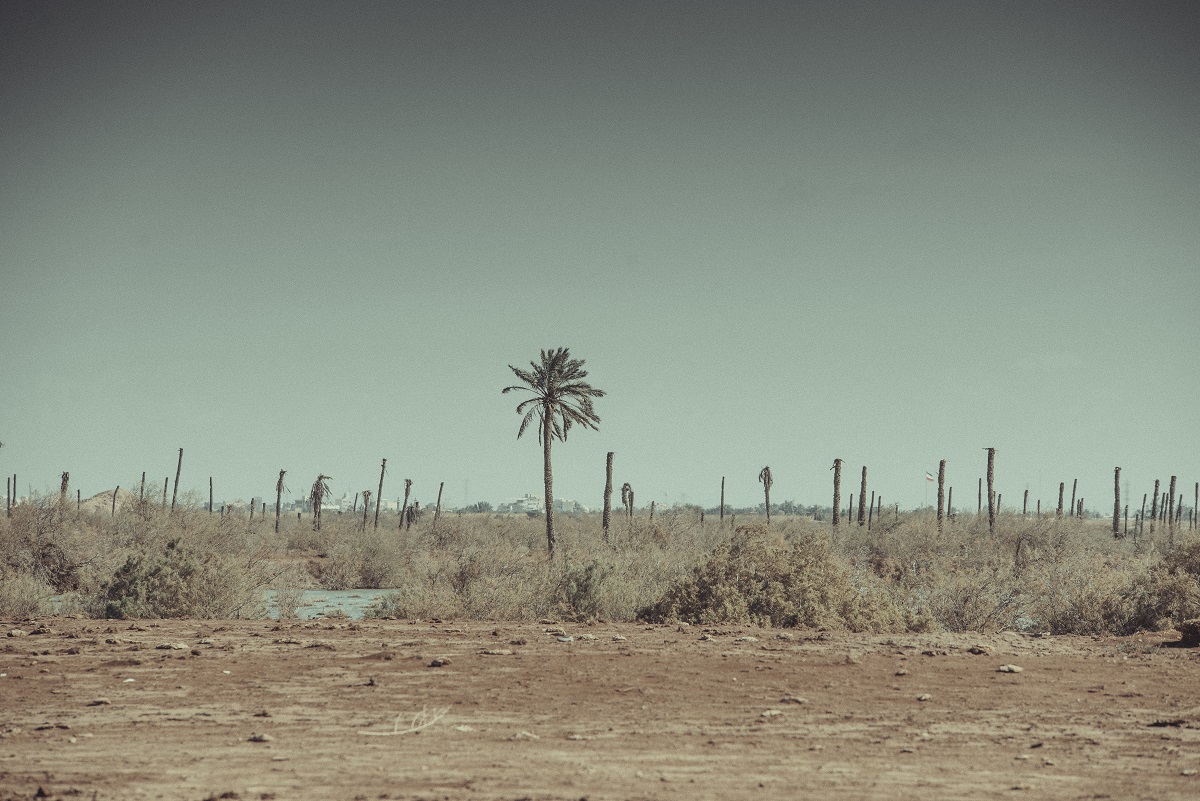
{"type": "Point", "coordinates": [261, 710]}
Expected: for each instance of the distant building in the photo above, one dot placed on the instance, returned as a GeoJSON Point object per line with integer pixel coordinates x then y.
{"type": "Point", "coordinates": [530, 505]}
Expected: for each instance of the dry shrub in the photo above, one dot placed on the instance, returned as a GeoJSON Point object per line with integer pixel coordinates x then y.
{"type": "Point", "coordinates": [181, 581]}
{"type": "Point", "coordinates": [23, 596]}
{"type": "Point", "coordinates": [757, 578]}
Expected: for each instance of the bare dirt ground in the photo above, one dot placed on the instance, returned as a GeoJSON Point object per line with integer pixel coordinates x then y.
{"type": "Point", "coordinates": [262, 710]}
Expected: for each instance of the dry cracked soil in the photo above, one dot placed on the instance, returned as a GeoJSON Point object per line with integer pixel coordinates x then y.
{"type": "Point", "coordinates": [393, 709]}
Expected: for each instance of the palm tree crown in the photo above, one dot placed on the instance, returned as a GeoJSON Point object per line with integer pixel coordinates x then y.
{"type": "Point", "coordinates": [561, 399]}
{"type": "Point", "coordinates": [559, 392]}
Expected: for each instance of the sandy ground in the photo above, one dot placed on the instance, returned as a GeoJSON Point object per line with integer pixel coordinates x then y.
{"type": "Point", "coordinates": [267, 710]}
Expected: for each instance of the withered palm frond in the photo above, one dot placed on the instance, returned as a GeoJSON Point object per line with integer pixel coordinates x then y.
{"type": "Point", "coordinates": [560, 399]}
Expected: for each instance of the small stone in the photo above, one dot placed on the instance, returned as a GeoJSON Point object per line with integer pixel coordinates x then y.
{"type": "Point", "coordinates": [171, 646]}
{"type": "Point", "coordinates": [793, 699]}
{"type": "Point", "coordinates": [978, 650]}
{"type": "Point", "coordinates": [565, 638]}
{"type": "Point", "coordinates": [924, 697]}
{"type": "Point", "coordinates": [525, 735]}
{"type": "Point", "coordinates": [99, 702]}
{"type": "Point", "coordinates": [772, 713]}
{"type": "Point", "coordinates": [587, 636]}
{"type": "Point", "coordinates": [618, 638]}
{"type": "Point", "coordinates": [261, 738]}
{"type": "Point", "coordinates": [747, 638]}
{"type": "Point", "coordinates": [17, 633]}
{"type": "Point", "coordinates": [440, 662]}
{"type": "Point", "coordinates": [1188, 772]}
{"type": "Point", "coordinates": [497, 652]}
{"type": "Point", "coordinates": [901, 672]}
{"type": "Point", "coordinates": [1010, 669]}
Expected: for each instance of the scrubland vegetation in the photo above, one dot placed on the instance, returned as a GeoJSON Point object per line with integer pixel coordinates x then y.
{"type": "Point", "coordinates": [1065, 576]}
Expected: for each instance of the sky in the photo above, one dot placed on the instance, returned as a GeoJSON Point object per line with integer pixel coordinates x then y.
{"type": "Point", "coordinates": [309, 236]}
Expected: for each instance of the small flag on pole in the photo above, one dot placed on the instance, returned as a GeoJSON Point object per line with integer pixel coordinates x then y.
{"type": "Point", "coordinates": [929, 477]}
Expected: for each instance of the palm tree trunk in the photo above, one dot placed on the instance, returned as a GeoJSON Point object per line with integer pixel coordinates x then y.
{"type": "Point", "coordinates": [404, 506]}
{"type": "Point", "coordinates": [604, 520]}
{"type": "Point", "coordinates": [379, 494]}
{"type": "Point", "coordinates": [437, 509]}
{"type": "Point", "coordinates": [548, 476]}
{"type": "Point", "coordinates": [837, 491]}
{"type": "Point", "coordinates": [1154, 507]}
{"type": "Point", "coordinates": [278, 499]}
{"type": "Point", "coordinates": [1170, 509]}
{"type": "Point", "coordinates": [941, 510]}
{"type": "Point", "coordinates": [1116, 502]}
{"type": "Point", "coordinates": [862, 496]}
{"type": "Point", "coordinates": [991, 478]}
{"type": "Point", "coordinates": [178, 468]}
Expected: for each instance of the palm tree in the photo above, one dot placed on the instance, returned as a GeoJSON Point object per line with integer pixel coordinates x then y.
{"type": "Point", "coordinates": [320, 489]}
{"type": "Point", "coordinates": [561, 399]}
{"type": "Point", "coordinates": [764, 476]}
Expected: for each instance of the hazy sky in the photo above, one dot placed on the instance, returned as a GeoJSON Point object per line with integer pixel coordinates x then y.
{"type": "Point", "coordinates": [308, 236]}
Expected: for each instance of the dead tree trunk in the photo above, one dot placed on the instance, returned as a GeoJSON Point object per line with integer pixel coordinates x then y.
{"type": "Point", "coordinates": [605, 518]}
{"type": "Point", "coordinates": [1074, 486]}
{"type": "Point", "coordinates": [379, 493]}
{"type": "Point", "coordinates": [1116, 502]}
{"type": "Point", "coordinates": [1170, 510]}
{"type": "Point", "coordinates": [862, 496]}
{"type": "Point", "coordinates": [278, 498]}
{"type": "Point", "coordinates": [941, 507]}
{"type": "Point", "coordinates": [178, 468]}
{"type": "Point", "coordinates": [1025, 505]}
{"type": "Point", "coordinates": [991, 478]}
{"type": "Point", "coordinates": [722, 500]}
{"type": "Point", "coordinates": [437, 510]}
{"type": "Point", "coordinates": [114, 506]}
{"type": "Point", "coordinates": [1154, 507]}
{"type": "Point", "coordinates": [837, 491]}
{"type": "Point", "coordinates": [1061, 487]}
{"type": "Point", "coordinates": [404, 506]}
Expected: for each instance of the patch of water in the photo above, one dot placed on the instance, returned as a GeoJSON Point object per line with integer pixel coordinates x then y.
{"type": "Point", "coordinates": [325, 603]}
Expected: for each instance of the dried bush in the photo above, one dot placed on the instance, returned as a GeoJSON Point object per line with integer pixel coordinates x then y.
{"type": "Point", "coordinates": [23, 596]}
{"type": "Point", "coordinates": [758, 579]}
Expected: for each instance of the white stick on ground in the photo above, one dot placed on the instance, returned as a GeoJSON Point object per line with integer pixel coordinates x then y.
{"type": "Point", "coordinates": [421, 720]}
